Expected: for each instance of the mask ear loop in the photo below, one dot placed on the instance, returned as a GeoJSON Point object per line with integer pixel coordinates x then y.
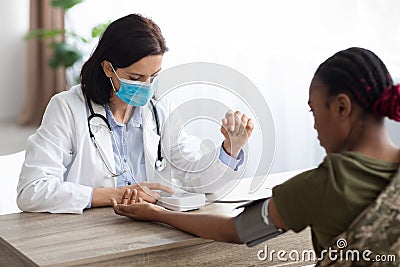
{"type": "Point", "coordinates": [112, 84]}
{"type": "Point", "coordinates": [115, 71]}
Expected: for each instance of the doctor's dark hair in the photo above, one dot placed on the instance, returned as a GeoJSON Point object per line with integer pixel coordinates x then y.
{"type": "Point", "coordinates": [363, 76]}
{"type": "Point", "coordinates": [124, 42]}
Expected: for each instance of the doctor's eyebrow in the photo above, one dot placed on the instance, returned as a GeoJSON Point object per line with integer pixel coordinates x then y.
{"type": "Point", "coordinates": [139, 74]}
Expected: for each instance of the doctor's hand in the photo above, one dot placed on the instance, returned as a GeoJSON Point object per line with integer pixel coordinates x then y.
{"type": "Point", "coordinates": [145, 191]}
{"type": "Point", "coordinates": [102, 195]}
{"type": "Point", "coordinates": [236, 128]}
{"type": "Point", "coordinates": [135, 207]}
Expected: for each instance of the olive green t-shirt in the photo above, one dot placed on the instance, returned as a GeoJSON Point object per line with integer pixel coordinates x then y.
{"type": "Point", "coordinates": [329, 197]}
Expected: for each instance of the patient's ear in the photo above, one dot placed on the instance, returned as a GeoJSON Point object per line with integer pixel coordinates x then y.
{"type": "Point", "coordinates": [343, 106]}
{"type": "Point", "coordinates": [106, 65]}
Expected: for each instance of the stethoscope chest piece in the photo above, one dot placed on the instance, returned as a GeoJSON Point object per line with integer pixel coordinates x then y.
{"type": "Point", "coordinates": [161, 164]}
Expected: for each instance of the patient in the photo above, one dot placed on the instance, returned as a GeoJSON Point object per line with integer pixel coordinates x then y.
{"type": "Point", "coordinates": [350, 95]}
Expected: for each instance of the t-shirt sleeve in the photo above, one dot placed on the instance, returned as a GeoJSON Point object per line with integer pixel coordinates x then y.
{"type": "Point", "coordinates": [297, 200]}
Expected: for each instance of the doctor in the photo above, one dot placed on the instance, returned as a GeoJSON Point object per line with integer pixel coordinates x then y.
{"type": "Point", "coordinates": [96, 141]}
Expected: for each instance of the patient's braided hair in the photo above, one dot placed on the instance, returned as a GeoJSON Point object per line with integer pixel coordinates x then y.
{"type": "Point", "coordinates": [363, 76]}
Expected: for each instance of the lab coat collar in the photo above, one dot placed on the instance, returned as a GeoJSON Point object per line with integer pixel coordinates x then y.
{"type": "Point", "coordinates": [98, 109]}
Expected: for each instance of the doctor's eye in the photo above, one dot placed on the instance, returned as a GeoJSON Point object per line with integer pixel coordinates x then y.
{"type": "Point", "coordinates": [134, 78]}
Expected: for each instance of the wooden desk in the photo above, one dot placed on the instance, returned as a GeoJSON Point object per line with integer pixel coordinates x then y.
{"type": "Point", "coordinates": [101, 238]}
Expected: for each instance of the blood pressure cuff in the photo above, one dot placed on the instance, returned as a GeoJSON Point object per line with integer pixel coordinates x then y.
{"type": "Point", "coordinates": [252, 227]}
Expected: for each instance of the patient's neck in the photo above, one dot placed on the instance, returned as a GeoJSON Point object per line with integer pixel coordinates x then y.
{"type": "Point", "coordinates": [372, 139]}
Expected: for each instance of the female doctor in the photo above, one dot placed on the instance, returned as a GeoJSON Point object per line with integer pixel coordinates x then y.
{"type": "Point", "coordinates": [95, 142]}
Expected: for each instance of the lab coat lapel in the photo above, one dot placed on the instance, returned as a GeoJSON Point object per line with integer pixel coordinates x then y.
{"type": "Point", "coordinates": [150, 141]}
{"type": "Point", "coordinates": [98, 109]}
{"type": "Point", "coordinates": [102, 135]}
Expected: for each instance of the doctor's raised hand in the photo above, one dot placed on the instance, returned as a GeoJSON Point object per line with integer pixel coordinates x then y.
{"type": "Point", "coordinates": [236, 128]}
{"type": "Point", "coordinates": [96, 143]}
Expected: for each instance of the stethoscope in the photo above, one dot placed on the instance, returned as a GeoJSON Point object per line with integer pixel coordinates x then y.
{"type": "Point", "coordinates": [160, 163]}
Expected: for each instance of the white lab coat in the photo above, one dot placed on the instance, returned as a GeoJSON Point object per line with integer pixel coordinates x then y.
{"type": "Point", "coordinates": [62, 165]}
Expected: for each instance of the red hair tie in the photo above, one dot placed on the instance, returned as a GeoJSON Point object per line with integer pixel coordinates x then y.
{"type": "Point", "coordinates": [388, 104]}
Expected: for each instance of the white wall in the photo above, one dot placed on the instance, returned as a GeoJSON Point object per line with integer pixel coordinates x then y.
{"type": "Point", "coordinates": [14, 21]}
{"type": "Point", "coordinates": [277, 44]}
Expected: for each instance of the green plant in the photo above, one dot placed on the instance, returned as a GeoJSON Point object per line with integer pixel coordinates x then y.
{"type": "Point", "coordinates": [64, 54]}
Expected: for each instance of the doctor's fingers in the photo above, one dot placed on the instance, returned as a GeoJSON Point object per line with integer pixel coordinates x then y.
{"type": "Point", "coordinates": [230, 121]}
{"type": "Point", "coordinates": [238, 120]}
{"type": "Point", "coordinates": [126, 196]}
{"type": "Point", "coordinates": [242, 125]}
{"type": "Point", "coordinates": [134, 196]}
{"type": "Point", "coordinates": [224, 127]}
{"type": "Point", "coordinates": [147, 195]}
{"type": "Point", "coordinates": [249, 127]}
{"type": "Point", "coordinates": [234, 121]}
{"type": "Point", "coordinates": [158, 186]}
{"type": "Point", "coordinates": [144, 191]}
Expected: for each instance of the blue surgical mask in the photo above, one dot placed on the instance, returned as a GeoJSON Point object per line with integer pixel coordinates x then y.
{"type": "Point", "coordinates": [134, 93]}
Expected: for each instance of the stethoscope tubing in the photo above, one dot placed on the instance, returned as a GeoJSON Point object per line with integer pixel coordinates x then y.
{"type": "Point", "coordinates": [160, 164]}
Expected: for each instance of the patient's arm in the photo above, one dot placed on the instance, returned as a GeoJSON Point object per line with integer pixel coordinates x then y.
{"type": "Point", "coordinates": [210, 226]}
